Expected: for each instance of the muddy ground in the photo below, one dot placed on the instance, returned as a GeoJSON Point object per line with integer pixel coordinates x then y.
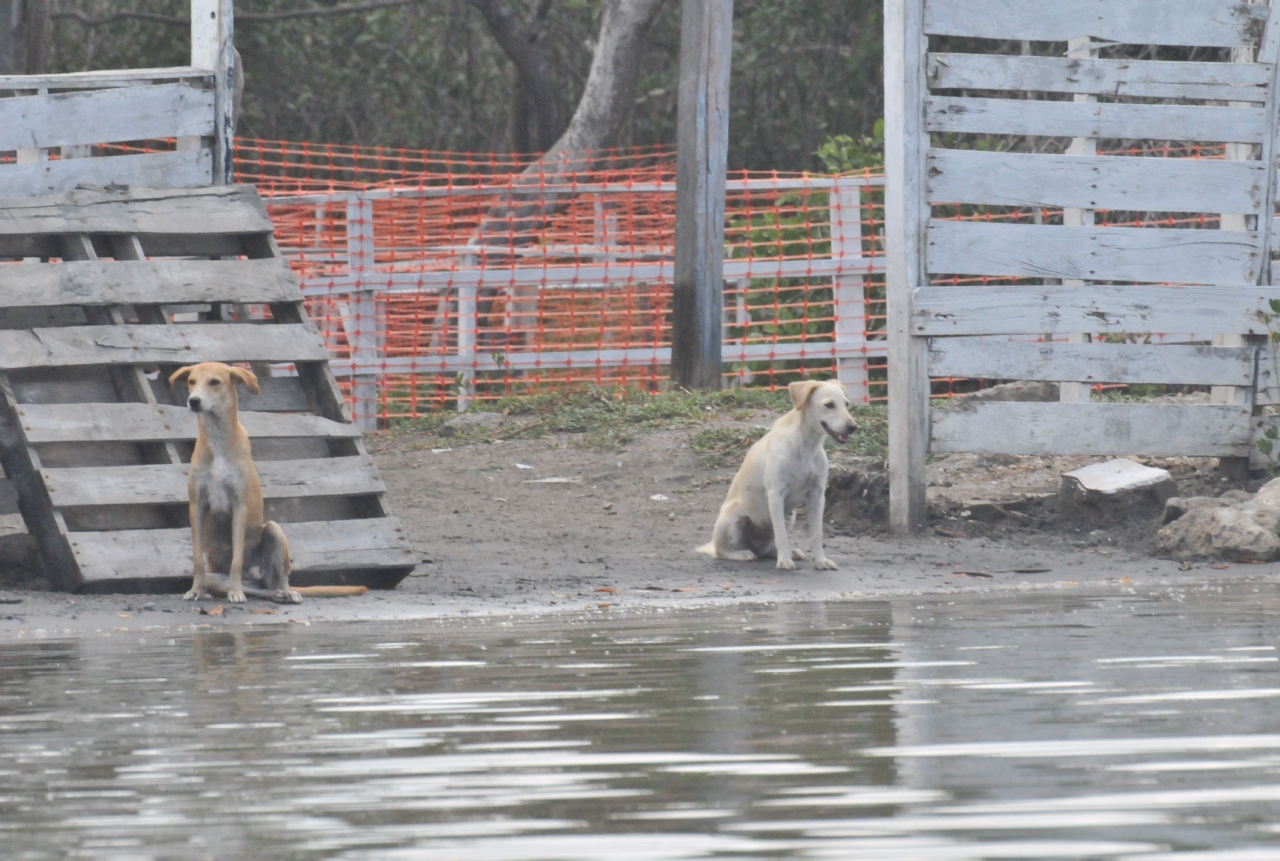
{"type": "Point", "coordinates": [550, 524]}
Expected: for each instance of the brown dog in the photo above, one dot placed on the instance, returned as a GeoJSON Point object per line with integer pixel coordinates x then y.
{"type": "Point", "coordinates": [227, 531]}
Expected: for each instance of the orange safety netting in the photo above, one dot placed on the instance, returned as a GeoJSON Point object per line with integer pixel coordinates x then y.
{"type": "Point", "coordinates": [440, 278]}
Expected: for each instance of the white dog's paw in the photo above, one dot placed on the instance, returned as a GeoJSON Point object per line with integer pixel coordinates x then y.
{"type": "Point", "coordinates": [739, 556]}
{"type": "Point", "coordinates": [235, 596]}
{"type": "Point", "coordinates": [825, 564]}
{"type": "Point", "coordinates": [193, 595]}
{"type": "Point", "coordinates": [797, 554]}
{"type": "Point", "coordinates": [787, 564]}
{"type": "Point", "coordinates": [292, 597]}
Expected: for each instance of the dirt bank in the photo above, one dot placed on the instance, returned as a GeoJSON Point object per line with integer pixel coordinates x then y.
{"type": "Point", "coordinates": [548, 524]}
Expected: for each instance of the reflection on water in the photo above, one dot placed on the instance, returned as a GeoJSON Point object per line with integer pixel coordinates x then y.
{"type": "Point", "coordinates": [1027, 726]}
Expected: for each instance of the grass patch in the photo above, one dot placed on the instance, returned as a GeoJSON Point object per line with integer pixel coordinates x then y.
{"type": "Point", "coordinates": [724, 446]}
{"type": "Point", "coordinates": [721, 447]}
{"type": "Point", "coordinates": [607, 417]}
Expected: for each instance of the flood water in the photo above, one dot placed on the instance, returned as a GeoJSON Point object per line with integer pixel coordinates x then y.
{"type": "Point", "coordinates": [1033, 725]}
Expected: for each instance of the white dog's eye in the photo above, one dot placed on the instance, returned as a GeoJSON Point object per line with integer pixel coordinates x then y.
{"type": "Point", "coordinates": [830, 405]}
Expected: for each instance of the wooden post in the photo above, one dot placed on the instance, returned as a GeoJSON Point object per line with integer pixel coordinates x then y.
{"type": "Point", "coordinates": [1236, 221]}
{"type": "Point", "coordinates": [906, 211]}
{"type": "Point", "coordinates": [848, 292]}
{"type": "Point", "coordinates": [213, 48]}
{"type": "Point", "coordinates": [361, 322]}
{"type": "Point", "coordinates": [1070, 392]}
{"type": "Point", "coordinates": [702, 144]}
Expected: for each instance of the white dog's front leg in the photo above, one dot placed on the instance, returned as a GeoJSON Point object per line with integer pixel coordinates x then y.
{"type": "Point", "coordinates": [781, 541]}
{"type": "Point", "coordinates": [817, 503]}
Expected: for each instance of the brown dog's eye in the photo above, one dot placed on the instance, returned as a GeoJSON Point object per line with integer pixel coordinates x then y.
{"type": "Point", "coordinates": [215, 382]}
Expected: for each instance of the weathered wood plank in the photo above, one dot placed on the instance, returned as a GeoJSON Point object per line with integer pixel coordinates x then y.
{"type": "Point", "coordinates": [135, 282]}
{"type": "Point", "coordinates": [138, 422]}
{"type": "Point", "coordinates": [1096, 308]}
{"type": "Point", "coordinates": [1135, 22]}
{"type": "Point", "coordinates": [105, 116]}
{"type": "Point", "coordinates": [1117, 429]}
{"type": "Point", "coordinates": [1092, 254]}
{"type": "Point", "coordinates": [100, 78]}
{"type": "Point", "coordinates": [1243, 82]}
{"type": "Point", "coordinates": [275, 395]}
{"type": "Point", "coordinates": [314, 547]}
{"type": "Point", "coordinates": [151, 484]}
{"type": "Point", "coordinates": [1092, 362]}
{"type": "Point", "coordinates": [182, 169]}
{"type": "Point", "coordinates": [1094, 120]}
{"type": "Point", "coordinates": [1095, 182]}
{"type": "Point", "coordinates": [204, 212]}
{"type": "Point", "coordinates": [181, 343]}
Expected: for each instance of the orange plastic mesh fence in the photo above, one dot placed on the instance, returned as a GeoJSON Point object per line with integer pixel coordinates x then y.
{"type": "Point", "coordinates": [444, 278]}
{"type": "Point", "coordinates": [439, 279]}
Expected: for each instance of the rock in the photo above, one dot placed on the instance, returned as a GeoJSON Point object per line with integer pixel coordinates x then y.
{"type": "Point", "coordinates": [1234, 526]}
{"type": "Point", "coordinates": [1022, 390]}
{"type": "Point", "coordinates": [1115, 488]}
{"type": "Point", "coordinates": [1176, 506]}
{"type": "Point", "coordinates": [465, 423]}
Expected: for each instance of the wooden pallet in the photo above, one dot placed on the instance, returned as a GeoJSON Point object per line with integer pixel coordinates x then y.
{"type": "Point", "coordinates": [90, 434]}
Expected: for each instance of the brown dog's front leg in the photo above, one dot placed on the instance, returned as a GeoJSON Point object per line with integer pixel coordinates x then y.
{"type": "Point", "coordinates": [198, 589]}
{"type": "Point", "coordinates": [239, 520]}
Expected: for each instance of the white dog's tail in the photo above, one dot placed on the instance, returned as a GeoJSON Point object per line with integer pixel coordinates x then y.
{"type": "Point", "coordinates": [709, 549]}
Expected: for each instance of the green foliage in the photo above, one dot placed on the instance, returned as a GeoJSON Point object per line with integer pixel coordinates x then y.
{"type": "Point", "coordinates": [843, 154]}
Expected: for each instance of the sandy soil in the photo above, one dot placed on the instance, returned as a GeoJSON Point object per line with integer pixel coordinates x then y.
{"type": "Point", "coordinates": [546, 525]}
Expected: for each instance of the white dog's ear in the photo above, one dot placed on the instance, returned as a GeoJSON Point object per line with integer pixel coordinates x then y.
{"type": "Point", "coordinates": [800, 391]}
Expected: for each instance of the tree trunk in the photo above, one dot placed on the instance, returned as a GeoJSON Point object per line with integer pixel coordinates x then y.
{"type": "Point", "coordinates": [25, 32]}
{"type": "Point", "coordinates": [534, 84]}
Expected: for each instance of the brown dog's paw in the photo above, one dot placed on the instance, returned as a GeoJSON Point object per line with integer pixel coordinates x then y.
{"type": "Point", "coordinates": [193, 595]}
{"type": "Point", "coordinates": [235, 596]}
{"type": "Point", "coordinates": [291, 597]}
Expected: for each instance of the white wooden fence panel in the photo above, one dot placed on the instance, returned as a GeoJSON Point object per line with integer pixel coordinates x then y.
{"type": "Point", "coordinates": [1095, 429]}
{"type": "Point", "coordinates": [1095, 308]}
{"type": "Point", "coordinates": [1092, 254]}
{"type": "Point", "coordinates": [1135, 22]}
{"type": "Point", "coordinates": [1242, 82]}
{"type": "Point", "coordinates": [101, 116]}
{"type": "Point", "coordinates": [185, 169]}
{"type": "Point", "coordinates": [102, 78]}
{"type": "Point", "coordinates": [1095, 182]}
{"type": "Point", "coordinates": [1094, 120]}
{"type": "Point", "coordinates": [1091, 362]}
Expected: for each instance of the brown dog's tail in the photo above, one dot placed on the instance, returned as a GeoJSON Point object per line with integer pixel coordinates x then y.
{"type": "Point", "coordinates": [709, 549]}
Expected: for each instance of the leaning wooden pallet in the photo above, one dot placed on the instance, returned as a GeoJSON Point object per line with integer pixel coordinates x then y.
{"type": "Point", "coordinates": [90, 433]}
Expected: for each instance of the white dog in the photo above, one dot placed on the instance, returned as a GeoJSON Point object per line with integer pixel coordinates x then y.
{"type": "Point", "coordinates": [784, 470]}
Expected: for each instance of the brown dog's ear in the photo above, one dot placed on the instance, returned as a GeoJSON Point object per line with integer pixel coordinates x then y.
{"type": "Point", "coordinates": [246, 377]}
{"type": "Point", "coordinates": [179, 375]}
{"type": "Point", "coordinates": [800, 391]}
